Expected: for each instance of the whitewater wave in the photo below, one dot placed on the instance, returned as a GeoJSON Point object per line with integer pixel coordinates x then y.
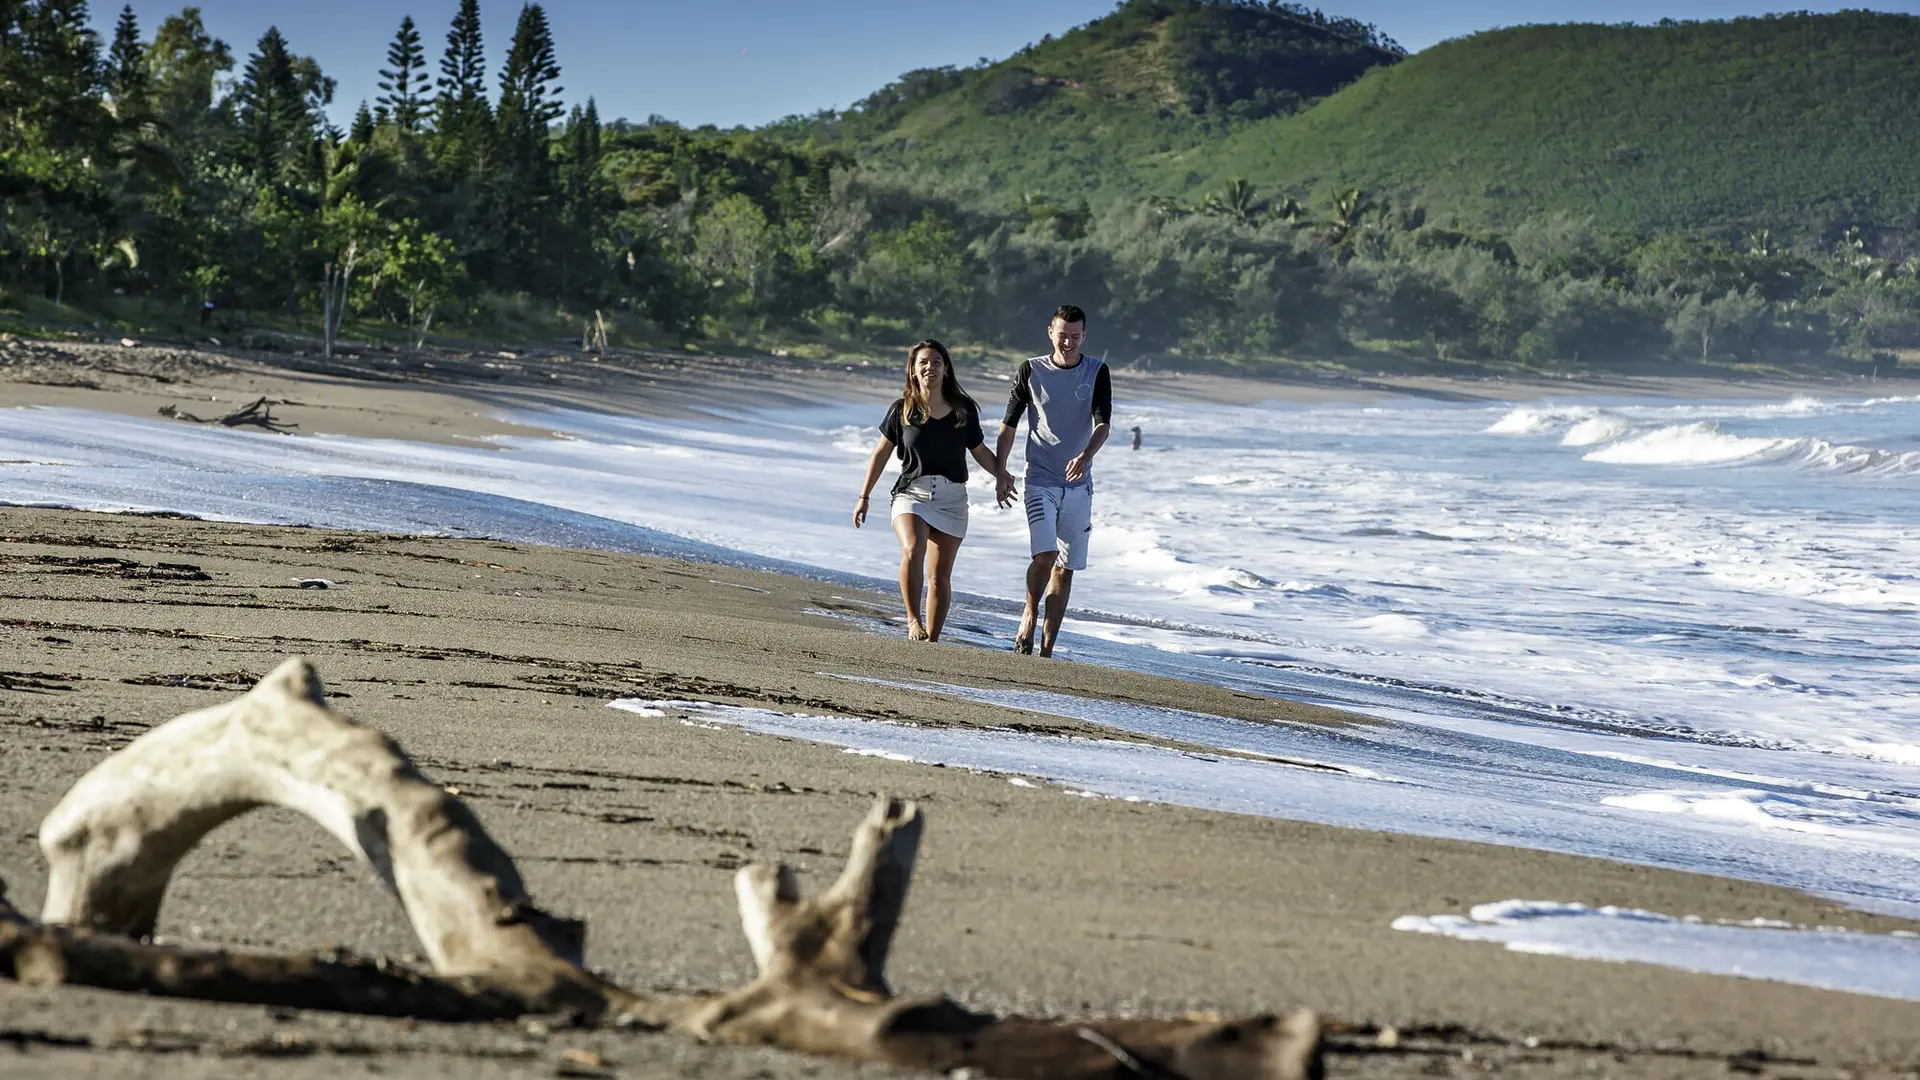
{"type": "Point", "coordinates": [1595, 430]}
{"type": "Point", "coordinates": [1704, 443]}
{"type": "Point", "coordinates": [1699, 443]}
{"type": "Point", "coordinates": [1534, 419]}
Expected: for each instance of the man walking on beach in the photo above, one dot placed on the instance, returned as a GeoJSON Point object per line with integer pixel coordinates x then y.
{"type": "Point", "coordinates": [1067, 400]}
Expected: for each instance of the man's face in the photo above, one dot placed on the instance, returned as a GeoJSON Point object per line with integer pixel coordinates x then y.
{"type": "Point", "coordinates": [1066, 338]}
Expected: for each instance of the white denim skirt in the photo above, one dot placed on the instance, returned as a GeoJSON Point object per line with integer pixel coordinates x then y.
{"type": "Point", "coordinates": [936, 500]}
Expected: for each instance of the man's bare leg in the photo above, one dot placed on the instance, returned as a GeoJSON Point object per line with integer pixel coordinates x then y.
{"type": "Point", "coordinates": [1058, 589]}
{"type": "Point", "coordinates": [941, 550]}
{"type": "Point", "coordinates": [912, 533]}
{"type": "Point", "coordinates": [1038, 571]}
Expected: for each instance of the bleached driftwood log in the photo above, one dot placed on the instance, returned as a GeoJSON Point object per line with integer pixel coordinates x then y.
{"type": "Point", "coordinates": [115, 839]}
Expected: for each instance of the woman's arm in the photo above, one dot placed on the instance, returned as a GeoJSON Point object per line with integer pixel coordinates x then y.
{"type": "Point", "coordinates": [1003, 484]}
{"type": "Point", "coordinates": [876, 464]}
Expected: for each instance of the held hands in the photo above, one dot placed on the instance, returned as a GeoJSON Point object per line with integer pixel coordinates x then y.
{"type": "Point", "coordinates": [860, 512]}
{"type": "Point", "coordinates": [1003, 489]}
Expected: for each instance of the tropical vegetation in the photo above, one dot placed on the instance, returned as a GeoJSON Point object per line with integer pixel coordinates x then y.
{"type": "Point", "coordinates": [1216, 181]}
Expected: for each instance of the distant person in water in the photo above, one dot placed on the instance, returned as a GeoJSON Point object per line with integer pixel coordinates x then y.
{"type": "Point", "coordinates": [1136, 437]}
{"type": "Point", "coordinates": [932, 428]}
{"type": "Point", "coordinates": [1067, 400]}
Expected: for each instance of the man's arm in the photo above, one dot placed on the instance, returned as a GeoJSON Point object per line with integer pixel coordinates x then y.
{"type": "Point", "coordinates": [1102, 419]}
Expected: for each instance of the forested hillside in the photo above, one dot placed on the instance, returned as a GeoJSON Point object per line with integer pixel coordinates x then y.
{"type": "Point", "coordinates": [1216, 181]}
{"type": "Point", "coordinates": [1123, 106]}
{"type": "Point", "coordinates": [1798, 123]}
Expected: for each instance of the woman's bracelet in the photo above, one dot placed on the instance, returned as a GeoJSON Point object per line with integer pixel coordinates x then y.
{"type": "Point", "coordinates": [863, 498]}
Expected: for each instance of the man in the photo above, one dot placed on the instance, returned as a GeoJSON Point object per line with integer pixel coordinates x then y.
{"type": "Point", "coordinates": [1067, 400]}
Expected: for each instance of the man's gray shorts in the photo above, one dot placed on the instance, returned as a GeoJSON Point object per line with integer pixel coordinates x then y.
{"type": "Point", "coordinates": [1061, 519]}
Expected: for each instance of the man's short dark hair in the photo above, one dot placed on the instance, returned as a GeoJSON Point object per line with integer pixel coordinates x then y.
{"type": "Point", "coordinates": [1067, 313]}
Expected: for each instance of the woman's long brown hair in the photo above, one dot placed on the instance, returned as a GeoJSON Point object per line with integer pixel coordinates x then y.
{"type": "Point", "coordinates": [916, 403]}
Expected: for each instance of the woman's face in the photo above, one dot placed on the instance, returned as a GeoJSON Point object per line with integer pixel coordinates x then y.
{"type": "Point", "coordinates": [928, 369]}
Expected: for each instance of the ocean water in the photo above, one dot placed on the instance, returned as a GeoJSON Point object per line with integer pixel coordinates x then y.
{"type": "Point", "coordinates": [1674, 632]}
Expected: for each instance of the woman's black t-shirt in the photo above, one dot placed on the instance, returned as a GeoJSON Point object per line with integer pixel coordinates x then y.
{"type": "Point", "coordinates": [931, 447]}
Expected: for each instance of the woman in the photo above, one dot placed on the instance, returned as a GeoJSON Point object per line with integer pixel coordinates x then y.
{"type": "Point", "coordinates": [934, 426]}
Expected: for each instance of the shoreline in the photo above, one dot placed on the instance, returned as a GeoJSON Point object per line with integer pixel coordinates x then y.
{"type": "Point", "coordinates": [469, 397]}
{"type": "Point", "coordinates": [492, 662]}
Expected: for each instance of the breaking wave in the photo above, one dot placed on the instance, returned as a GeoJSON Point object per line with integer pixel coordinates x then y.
{"type": "Point", "coordinates": [1707, 444]}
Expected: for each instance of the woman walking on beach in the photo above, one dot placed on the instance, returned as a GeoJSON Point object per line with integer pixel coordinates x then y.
{"type": "Point", "coordinates": [933, 426]}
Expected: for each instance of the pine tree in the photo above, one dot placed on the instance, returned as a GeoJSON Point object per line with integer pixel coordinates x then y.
{"type": "Point", "coordinates": [463, 73]}
{"type": "Point", "coordinates": [57, 72]}
{"type": "Point", "coordinates": [275, 124]}
{"type": "Point", "coordinates": [405, 82]}
{"type": "Point", "coordinates": [529, 94]}
{"type": "Point", "coordinates": [362, 131]}
{"type": "Point", "coordinates": [529, 104]}
{"type": "Point", "coordinates": [584, 196]}
{"type": "Point", "coordinates": [128, 78]}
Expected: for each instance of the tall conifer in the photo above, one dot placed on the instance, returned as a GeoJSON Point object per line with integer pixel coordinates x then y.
{"type": "Point", "coordinates": [405, 81]}
{"type": "Point", "coordinates": [275, 124]}
{"type": "Point", "coordinates": [463, 72]}
{"type": "Point", "coordinates": [529, 83]}
{"type": "Point", "coordinates": [128, 78]}
{"type": "Point", "coordinates": [362, 130]}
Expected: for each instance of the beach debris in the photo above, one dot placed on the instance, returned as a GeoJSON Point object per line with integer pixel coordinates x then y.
{"type": "Point", "coordinates": [258, 413]}
{"type": "Point", "coordinates": [114, 839]}
{"type": "Point", "coordinates": [128, 343]}
{"type": "Point", "coordinates": [314, 582]}
{"type": "Point", "coordinates": [577, 1062]}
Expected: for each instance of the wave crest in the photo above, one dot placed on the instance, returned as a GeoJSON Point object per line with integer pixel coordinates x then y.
{"type": "Point", "coordinates": [1707, 444]}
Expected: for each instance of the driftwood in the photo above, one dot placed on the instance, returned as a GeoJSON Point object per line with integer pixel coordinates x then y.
{"type": "Point", "coordinates": [115, 838]}
{"type": "Point", "coordinates": [256, 413]}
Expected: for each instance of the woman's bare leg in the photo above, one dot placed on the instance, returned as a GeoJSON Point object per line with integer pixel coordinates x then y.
{"type": "Point", "coordinates": [941, 549]}
{"type": "Point", "coordinates": [912, 532]}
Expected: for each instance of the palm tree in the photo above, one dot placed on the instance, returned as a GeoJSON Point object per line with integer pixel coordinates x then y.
{"type": "Point", "coordinates": [1235, 202]}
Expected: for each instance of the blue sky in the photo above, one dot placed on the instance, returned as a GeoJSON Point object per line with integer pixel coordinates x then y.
{"type": "Point", "coordinates": [732, 62]}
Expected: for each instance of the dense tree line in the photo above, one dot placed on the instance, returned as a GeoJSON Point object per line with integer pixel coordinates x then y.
{"type": "Point", "coordinates": [1247, 60]}
{"type": "Point", "coordinates": [167, 170]}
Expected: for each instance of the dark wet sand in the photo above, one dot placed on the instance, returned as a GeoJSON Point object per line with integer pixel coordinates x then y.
{"type": "Point", "coordinates": [491, 663]}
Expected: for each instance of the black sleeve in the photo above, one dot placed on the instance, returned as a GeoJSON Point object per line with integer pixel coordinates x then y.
{"type": "Point", "coordinates": [1102, 396]}
{"type": "Point", "coordinates": [890, 427]}
{"type": "Point", "coordinates": [973, 436]}
{"type": "Point", "coordinates": [1022, 395]}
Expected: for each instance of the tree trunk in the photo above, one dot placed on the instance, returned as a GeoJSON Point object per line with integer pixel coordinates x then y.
{"type": "Point", "coordinates": [326, 311]}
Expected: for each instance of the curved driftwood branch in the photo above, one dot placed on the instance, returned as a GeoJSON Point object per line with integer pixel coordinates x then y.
{"type": "Point", "coordinates": [115, 839]}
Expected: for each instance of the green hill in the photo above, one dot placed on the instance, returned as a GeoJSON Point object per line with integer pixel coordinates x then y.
{"type": "Point", "coordinates": [1112, 108]}
{"type": "Point", "coordinates": [1802, 123]}
{"type": "Point", "coordinates": [1798, 122]}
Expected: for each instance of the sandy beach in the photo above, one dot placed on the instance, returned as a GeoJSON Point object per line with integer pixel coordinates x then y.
{"type": "Point", "coordinates": [492, 663]}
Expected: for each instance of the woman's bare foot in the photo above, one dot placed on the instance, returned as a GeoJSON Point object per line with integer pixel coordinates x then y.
{"type": "Point", "coordinates": [916, 632]}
